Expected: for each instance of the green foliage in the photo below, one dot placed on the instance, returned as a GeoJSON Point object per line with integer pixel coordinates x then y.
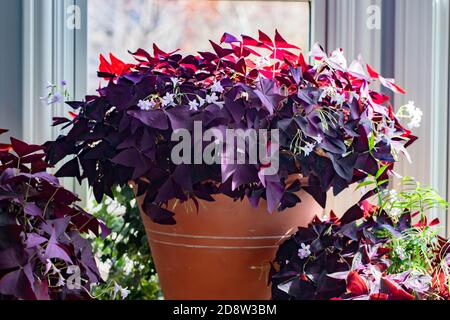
{"type": "Point", "coordinates": [414, 250]}
{"type": "Point", "coordinates": [125, 252]}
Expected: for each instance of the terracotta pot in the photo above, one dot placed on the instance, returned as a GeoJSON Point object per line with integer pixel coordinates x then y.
{"type": "Point", "coordinates": [223, 251]}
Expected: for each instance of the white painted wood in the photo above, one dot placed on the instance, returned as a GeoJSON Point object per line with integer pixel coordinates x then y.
{"type": "Point", "coordinates": [440, 102]}
{"type": "Point", "coordinates": [52, 53]}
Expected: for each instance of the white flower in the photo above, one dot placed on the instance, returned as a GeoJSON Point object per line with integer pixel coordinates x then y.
{"type": "Point", "coordinates": [175, 81]}
{"type": "Point", "coordinates": [319, 139]}
{"type": "Point", "coordinates": [214, 99]}
{"type": "Point", "coordinates": [124, 292]}
{"type": "Point", "coordinates": [53, 98]}
{"type": "Point", "coordinates": [327, 92]}
{"type": "Point", "coordinates": [146, 105]}
{"type": "Point", "coordinates": [400, 253]}
{"type": "Point", "coordinates": [395, 213]}
{"type": "Point", "coordinates": [201, 101]}
{"type": "Point", "coordinates": [244, 95]}
{"type": "Point", "coordinates": [168, 100]}
{"type": "Point", "coordinates": [308, 148]}
{"type": "Point", "coordinates": [339, 99]}
{"type": "Point", "coordinates": [193, 105]}
{"type": "Point", "coordinates": [304, 252]}
{"type": "Point", "coordinates": [415, 115]}
{"type": "Point", "coordinates": [217, 87]}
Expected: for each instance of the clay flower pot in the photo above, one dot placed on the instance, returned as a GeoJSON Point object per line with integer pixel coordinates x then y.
{"type": "Point", "coordinates": [222, 251]}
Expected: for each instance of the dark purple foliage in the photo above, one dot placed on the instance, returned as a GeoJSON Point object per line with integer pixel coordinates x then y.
{"type": "Point", "coordinates": [115, 142]}
{"type": "Point", "coordinates": [40, 230]}
{"type": "Point", "coordinates": [348, 259]}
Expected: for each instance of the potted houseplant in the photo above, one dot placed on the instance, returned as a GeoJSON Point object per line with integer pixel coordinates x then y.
{"type": "Point", "coordinates": [162, 124]}
{"type": "Point", "coordinates": [43, 255]}
{"type": "Point", "coordinates": [388, 251]}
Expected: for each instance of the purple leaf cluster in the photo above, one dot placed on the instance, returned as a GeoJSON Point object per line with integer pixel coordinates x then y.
{"type": "Point", "coordinates": [327, 115]}
{"type": "Point", "coordinates": [348, 259]}
{"type": "Point", "coordinates": [43, 254]}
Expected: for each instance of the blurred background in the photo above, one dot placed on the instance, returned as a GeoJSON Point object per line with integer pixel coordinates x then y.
{"type": "Point", "coordinates": [52, 40]}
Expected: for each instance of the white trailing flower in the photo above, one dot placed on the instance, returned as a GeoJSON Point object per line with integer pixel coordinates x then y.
{"type": "Point", "coordinates": [214, 99]}
{"type": "Point", "coordinates": [146, 105]}
{"type": "Point", "coordinates": [415, 115]}
{"type": "Point", "coordinates": [401, 253]}
{"type": "Point", "coordinates": [124, 292]}
{"type": "Point", "coordinates": [308, 148]}
{"type": "Point", "coordinates": [193, 105]}
{"type": "Point", "coordinates": [304, 252]}
{"type": "Point", "coordinates": [217, 87]}
{"type": "Point", "coordinates": [168, 100]}
{"type": "Point", "coordinates": [318, 139]}
{"type": "Point", "coordinates": [395, 213]}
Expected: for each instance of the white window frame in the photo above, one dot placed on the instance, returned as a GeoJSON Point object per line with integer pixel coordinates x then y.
{"type": "Point", "coordinates": [52, 53]}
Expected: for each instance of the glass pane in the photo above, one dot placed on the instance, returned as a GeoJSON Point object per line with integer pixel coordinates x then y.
{"type": "Point", "coordinates": [120, 25]}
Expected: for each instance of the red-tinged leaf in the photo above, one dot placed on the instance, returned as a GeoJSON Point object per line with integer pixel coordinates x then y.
{"type": "Point", "coordinates": [5, 147]}
{"type": "Point", "coordinates": [393, 290]}
{"type": "Point", "coordinates": [22, 148]}
{"type": "Point", "coordinates": [264, 38]}
{"type": "Point", "coordinates": [221, 52]}
{"type": "Point", "coordinates": [390, 84]}
{"type": "Point", "coordinates": [379, 296]}
{"type": "Point", "coordinates": [281, 43]}
{"type": "Point", "coordinates": [59, 120]}
{"type": "Point", "coordinates": [228, 38]}
{"type": "Point", "coordinates": [141, 53]}
{"type": "Point", "coordinates": [189, 66]}
{"type": "Point", "coordinates": [356, 285]}
{"type": "Point", "coordinates": [2, 131]}
{"type": "Point", "coordinates": [158, 53]}
{"type": "Point", "coordinates": [118, 66]}
{"type": "Point", "coordinates": [372, 73]}
{"type": "Point", "coordinates": [435, 222]}
{"type": "Point", "coordinates": [208, 56]}
{"type": "Point", "coordinates": [302, 62]}
{"type": "Point", "coordinates": [241, 66]}
{"type": "Point", "coordinates": [249, 41]}
{"type": "Point", "coordinates": [105, 66]}
{"type": "Point", "coordinates": [73, 115]}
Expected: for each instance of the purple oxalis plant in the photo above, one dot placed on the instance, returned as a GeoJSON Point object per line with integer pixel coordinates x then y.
{"type": "Point", "coordinates": [334, 129]}
{"type": "Point", "coordinates": [43, 254]}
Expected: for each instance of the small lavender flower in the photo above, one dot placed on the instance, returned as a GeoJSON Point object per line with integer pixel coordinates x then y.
{"type": "Point", "coordinates": [308, 148]}
{"type": "Point", "coordinates": [304, 252]}
{"type": "Point", "coordinates": [401, 253]}
{"type": "Point", "coordinates": [217, 87]}
{"type": "Point", "coordinates": [124, 292]}
{"type": "Point", "coordinates": [214, 99]}
{"type": "Point", "coordinates": [146, 105]}
{"type": "Point", "coordinates": [168, 100]}
{"type": "Point", "coordinates": [193, 105]}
